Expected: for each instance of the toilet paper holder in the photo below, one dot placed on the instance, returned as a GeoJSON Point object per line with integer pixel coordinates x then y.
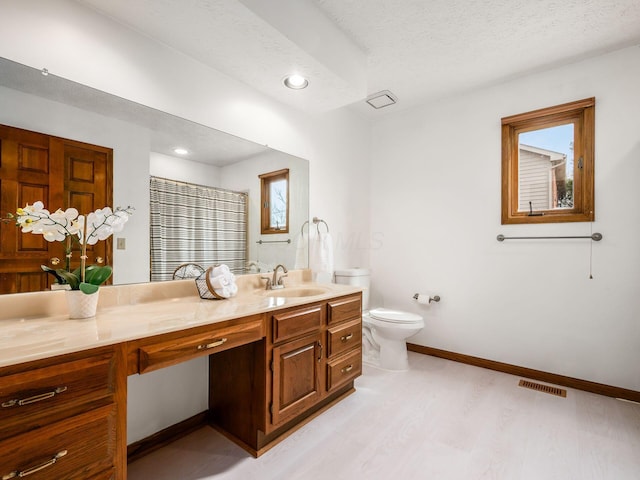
{"type": "Point", "coordinates": [435, 298]}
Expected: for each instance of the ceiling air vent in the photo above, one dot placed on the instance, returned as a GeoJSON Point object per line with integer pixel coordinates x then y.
{"type": "Point", "coordinates": [381, 99]}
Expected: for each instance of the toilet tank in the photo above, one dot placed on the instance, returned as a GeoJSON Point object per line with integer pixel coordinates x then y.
{"type": "Point", "coordinates": [358, 277]}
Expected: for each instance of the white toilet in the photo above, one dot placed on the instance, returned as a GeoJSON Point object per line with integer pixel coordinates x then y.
{"type": "Point", "coordinates": [384, 331]}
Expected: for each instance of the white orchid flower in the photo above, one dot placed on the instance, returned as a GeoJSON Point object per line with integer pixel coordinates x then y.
{"type": "Point", "coordinates": [29, 217]}
{"type": "Point", "coordinates": [54, 227]}
{"type": "Point", "coordinates": [68, 225]}
{"type": "Point", "coordinates": [101, 224]}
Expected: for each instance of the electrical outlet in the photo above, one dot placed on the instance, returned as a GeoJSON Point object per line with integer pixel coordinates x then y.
{"type": "Point", "coordinates": [121, 243]}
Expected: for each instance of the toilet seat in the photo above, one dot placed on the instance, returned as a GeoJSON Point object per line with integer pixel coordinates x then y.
{"type": "Point", "coordinates": [394, 316]}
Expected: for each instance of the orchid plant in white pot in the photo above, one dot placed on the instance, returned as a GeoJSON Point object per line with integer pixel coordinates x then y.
{"type": "Point", "coordinates": [69, 226]}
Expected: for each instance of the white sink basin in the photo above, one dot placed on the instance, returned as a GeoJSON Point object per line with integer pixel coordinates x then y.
{"type": "Point", "coordinates": [294, 292]}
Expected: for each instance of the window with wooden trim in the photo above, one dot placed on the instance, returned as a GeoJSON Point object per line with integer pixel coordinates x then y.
{"type": "Point", "coordinates": [274, 194]}
{"type": "Point", "coordinates": [548, 164]}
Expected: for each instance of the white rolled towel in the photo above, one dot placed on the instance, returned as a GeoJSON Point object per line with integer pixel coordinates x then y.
{"type": "Point", "coordinates": [233, 290]}
{"type": "Point", "coordinates": [220, 281]}
{"type": "Point", "coordinates": [223, 292]}
{"type": "Point", "coordinates": [220, 270]}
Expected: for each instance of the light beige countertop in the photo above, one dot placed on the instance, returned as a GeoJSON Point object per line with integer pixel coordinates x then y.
{"type": "Point", "coordinates": [36, 325]}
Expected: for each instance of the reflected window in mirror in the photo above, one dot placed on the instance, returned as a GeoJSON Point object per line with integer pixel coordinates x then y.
{"type": "Point", "coordinates": [274, 193]}
{"type": "Point", "coordinates": [548, 164]}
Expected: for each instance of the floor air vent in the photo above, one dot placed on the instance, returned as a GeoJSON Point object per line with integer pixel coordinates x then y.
{"type": "Point", "coordinates": [560, 392]}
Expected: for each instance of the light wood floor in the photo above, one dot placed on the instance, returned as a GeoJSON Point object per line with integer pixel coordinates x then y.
{"type": "Point", "coordinates": [441, 420]}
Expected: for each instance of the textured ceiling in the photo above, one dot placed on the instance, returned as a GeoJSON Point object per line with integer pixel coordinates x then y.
{"type": "Point", "coordinates": [424, 49]}
{"type": "Point", "coordinates": [417, 49]}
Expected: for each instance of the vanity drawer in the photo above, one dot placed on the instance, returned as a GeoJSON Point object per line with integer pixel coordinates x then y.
{"type": "Point", "coordinates": [344, 337]}
{"type": "Point", "coordinates": [343, 369]}
{"type": "Point", "coordinates": [293, 323]}
{"type": "Point", "coordinates": [79, 448]}
{"type": "Point", "coordinates": [345, 309]}
{"type": "Point", "coordinates": [36, 397]}
{"type": "Point", "coordinates": [181, 348]}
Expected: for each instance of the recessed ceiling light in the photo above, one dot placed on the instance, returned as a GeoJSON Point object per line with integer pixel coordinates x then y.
{"type": "Point", "coordinates": [296, 81]}
{"type": "Point", "coordinates": [180, 151]}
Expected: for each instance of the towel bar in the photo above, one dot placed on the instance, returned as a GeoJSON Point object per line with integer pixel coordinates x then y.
{"type": "Point", "coordinates": [288, 240]}
{"type": "Point", "coordinates": [596, 237]}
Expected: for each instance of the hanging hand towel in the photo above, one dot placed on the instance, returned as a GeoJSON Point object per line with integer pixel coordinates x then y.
{"type": "Point", "coordinates": [321, 257]}
{"type": "Point", "coordinates": [302, 252]}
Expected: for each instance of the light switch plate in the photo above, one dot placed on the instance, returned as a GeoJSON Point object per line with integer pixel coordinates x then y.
{"type": "Point", "coordinates": [121, 243]}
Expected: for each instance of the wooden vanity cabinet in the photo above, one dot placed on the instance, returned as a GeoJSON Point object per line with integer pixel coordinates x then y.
{"type": "Point", "coordinates": [309, 359]}
{"type": "Point", "coordinates": [63, 417]}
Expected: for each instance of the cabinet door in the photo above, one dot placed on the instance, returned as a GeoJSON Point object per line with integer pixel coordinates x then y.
{"type": "Point", "coordinates": [296, 377]}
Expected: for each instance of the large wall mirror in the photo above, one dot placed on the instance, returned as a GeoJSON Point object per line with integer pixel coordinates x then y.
{"type": "Point", "coordinates": [143, 142]}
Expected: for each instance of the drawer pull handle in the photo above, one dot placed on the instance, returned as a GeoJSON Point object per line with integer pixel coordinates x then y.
{"type": "Point", "coordinates": [320, 356]}
{"type": "Point", "coordinates": [207, 346]}
{"type": "Point", "coordinates": [34, 399]}
{"type": "Point", "coordinates": [347, 369]}
{"type": "Point", "coordinates": [37, 468]}
{"type": "Point", "coordinates": [346, 338]}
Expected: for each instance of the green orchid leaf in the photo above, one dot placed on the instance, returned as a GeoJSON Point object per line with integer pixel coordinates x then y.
{"type": "Point", "coordinates": [97, 275]}
{"type": "Point", "coordinates": [88, 288]}
{"type": "Point", "coordinates": [69, 278]}
{"type": "Point", "coordinates": [53, 272]}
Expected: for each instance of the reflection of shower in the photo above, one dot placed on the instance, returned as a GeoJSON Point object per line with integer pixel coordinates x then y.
{"type": "Point", "coordinates": [193, 223]}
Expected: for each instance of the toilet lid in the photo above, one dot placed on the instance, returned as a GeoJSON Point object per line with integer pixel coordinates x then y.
{"type": "Point", "coordinates": [394, 316]}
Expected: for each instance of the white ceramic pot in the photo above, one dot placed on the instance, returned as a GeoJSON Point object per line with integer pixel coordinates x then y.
{"type": "Point", "coordinates": [81, 305]}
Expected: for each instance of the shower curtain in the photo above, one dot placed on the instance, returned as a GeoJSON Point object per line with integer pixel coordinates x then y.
{"type": "Point", "coordinates": [196, 224]}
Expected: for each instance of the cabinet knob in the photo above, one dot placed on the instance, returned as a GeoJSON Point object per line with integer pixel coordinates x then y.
{"type": "Point", "coordinates": [99, 260]}
{"type": "Point", "coordinates": [54, 261]}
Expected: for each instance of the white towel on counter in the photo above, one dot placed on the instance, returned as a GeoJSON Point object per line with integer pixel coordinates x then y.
{"type": "Point", "coordinates": [223, 281]}
{"type": "Point", "coordinates": [321, 257]}
{"type": "Point", "coordinates": [219, 282]}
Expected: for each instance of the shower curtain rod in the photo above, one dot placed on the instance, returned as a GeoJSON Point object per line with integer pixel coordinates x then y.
{"type": "Point", "coordinates": [596, 237]}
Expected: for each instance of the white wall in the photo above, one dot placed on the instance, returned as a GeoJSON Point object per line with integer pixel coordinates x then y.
{"type": "Point", "coordinates": [436, 209]}
{"type": "Point", "coordinates": [183, 170]}
{"type": "Point", "coordinates": [73, 42]}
